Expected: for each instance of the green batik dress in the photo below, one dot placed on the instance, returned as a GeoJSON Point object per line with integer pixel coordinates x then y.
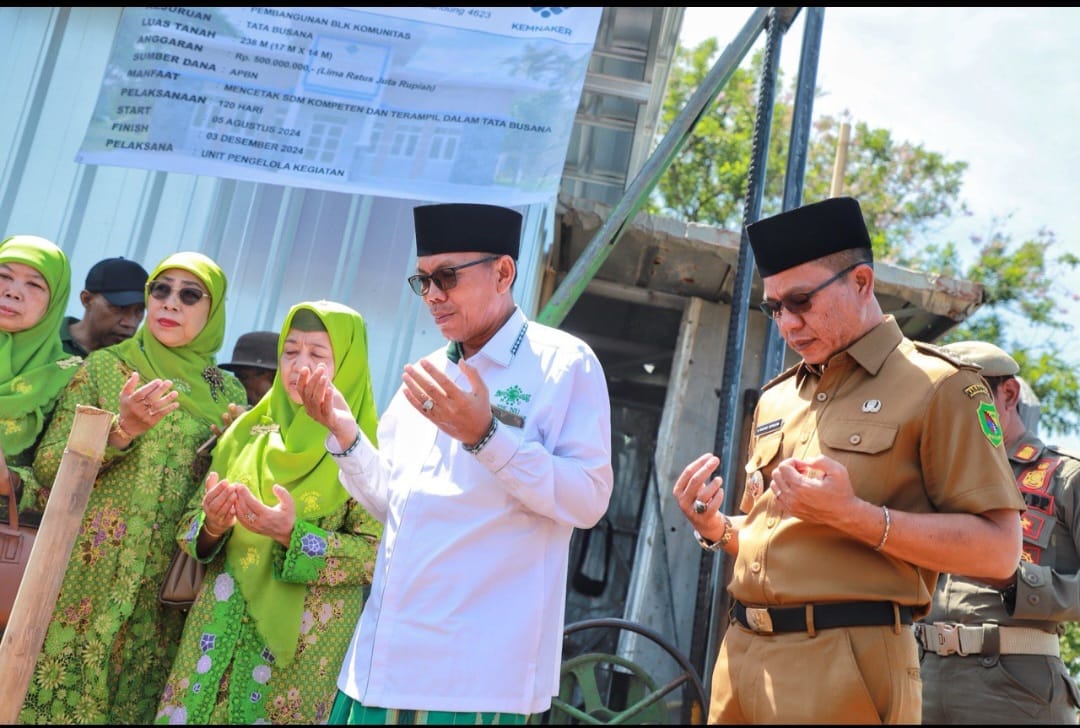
{"type": "Point", "coordinates": [22, 462]}
{"type": "Point", "coordinates": [225, 674]}
{"type": "Point", "coordinates": [110, 643]}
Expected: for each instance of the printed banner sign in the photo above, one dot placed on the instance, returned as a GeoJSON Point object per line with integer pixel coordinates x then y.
{"type": "Point", "coordinates": [443, 104]}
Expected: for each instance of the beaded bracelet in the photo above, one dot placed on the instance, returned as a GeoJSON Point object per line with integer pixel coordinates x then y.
{"type": "Point", "coordinates": [350, 448]}
{"type": "Point", "coordinates": [485, 439]}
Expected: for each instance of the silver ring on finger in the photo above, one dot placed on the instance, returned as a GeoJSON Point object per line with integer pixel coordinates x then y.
{"type": "Point", "coordinates": [251, 518]}
{"type": "Point", "coordinates": [428, 405]}
{"type": "Point", "coordinates": [699, 506]}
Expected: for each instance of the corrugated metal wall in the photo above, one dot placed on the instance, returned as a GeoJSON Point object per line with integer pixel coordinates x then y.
{"type": "Point", "coordinates": [277, 245]}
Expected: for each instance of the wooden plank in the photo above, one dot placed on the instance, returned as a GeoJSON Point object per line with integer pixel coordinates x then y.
{"type": "Point", "coordinates": [40, 586]}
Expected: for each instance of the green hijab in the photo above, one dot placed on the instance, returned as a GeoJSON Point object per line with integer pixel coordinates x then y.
{"type": "Point", "coordinates": [192, 368]}
{"type": "Point", "coordinates": [34, 369]}
{"type": "Point", "coordinates": [276, 441]}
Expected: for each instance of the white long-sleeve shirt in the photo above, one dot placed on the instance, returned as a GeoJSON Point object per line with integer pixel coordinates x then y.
{"type": "Point", "coordinates": [466, 611]}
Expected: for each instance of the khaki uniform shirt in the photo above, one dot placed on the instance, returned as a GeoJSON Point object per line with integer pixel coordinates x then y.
{"type": "Point", "coordinates": [916, 430]}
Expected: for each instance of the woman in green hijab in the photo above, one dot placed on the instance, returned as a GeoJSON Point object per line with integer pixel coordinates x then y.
{"type": "Point", "coordinates": [289, 553]}
{"type": "Point", "coordinates": [35, 281]}
{"type": "Point", "coordinates": [110, 643]}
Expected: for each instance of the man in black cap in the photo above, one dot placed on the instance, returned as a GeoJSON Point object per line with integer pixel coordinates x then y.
{"type": "Point", "coordinates": [991, 647]}
{"type": "Point", "coordinates": [254, 362]}
{"type": "Point", "coordinates": [114, 299]}
{"type": "Point", "coordinates": [494, 449]}
{"type": "Point", "coordinates": [874, 464]}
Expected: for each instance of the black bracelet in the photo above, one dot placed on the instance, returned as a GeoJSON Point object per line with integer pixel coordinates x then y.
{"type": "Point", "coordinates": [485, 439]}
{"type": "Point", "coordinates": [350, 448]}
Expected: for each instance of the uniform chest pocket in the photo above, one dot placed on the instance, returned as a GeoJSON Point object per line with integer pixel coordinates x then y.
{"type": "Point", "coordinates": [764, 451]}
{"type": "Point", "coordinates": [859, 436]}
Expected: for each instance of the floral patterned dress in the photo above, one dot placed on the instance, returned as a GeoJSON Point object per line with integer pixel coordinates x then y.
{"type": "Point", "coordinates": [110, 644]}
{"type": "Point", "coordinates": [22, 465]}
{"type": "Point", "coordinates": [224, 673]}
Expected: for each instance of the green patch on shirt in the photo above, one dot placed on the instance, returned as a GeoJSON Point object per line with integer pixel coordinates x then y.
{"type": "Point", "coordinates": [990, 423]}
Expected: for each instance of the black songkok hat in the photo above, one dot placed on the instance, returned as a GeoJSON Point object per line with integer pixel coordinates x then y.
{"type": "Point", "coordinates": [807, 233]}
{"type": "Point", "coordinates": [462, 227]}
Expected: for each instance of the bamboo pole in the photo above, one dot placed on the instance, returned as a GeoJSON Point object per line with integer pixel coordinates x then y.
{"type": "Point", "coordinates": [840, 163]}
{"type": "Point", "coordinates": [34, 604]}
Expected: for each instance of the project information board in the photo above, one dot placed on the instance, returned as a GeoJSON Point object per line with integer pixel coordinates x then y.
{"type": "Point", "coordinates": [445, 104]}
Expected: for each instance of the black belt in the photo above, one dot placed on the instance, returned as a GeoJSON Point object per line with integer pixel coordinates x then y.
{"type": "Point", "coordinates": [766, 620]}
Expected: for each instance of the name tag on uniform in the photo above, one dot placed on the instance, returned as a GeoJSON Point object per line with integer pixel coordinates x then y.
{"type": "Point", "coordinates": [768, 427]}
{"type": "Point", "coordinates": [507, 417]}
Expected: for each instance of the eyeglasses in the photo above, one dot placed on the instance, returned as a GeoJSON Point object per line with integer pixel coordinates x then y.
{"type": "Point", "coordinates": [444, 278]}
{"type": "Point", "coordinates": [189, 295]}
{"type": "Point", "coordinates": [800, 302]}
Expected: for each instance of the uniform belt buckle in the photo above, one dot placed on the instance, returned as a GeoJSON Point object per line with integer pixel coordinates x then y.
{"type": "Point", "coordinates": [758, 619]}
{"type": "Point", "coordinates": [948, 639]}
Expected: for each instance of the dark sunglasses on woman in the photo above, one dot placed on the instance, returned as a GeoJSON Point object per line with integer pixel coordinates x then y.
{"type": "Point", "coordinates": [188, 295]}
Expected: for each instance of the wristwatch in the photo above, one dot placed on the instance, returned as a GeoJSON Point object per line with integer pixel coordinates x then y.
{"type": "Point", "coordinates": [708, 545]}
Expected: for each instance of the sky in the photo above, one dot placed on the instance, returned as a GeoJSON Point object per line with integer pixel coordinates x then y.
{"type": "Point", "coordinates": [998, 88]}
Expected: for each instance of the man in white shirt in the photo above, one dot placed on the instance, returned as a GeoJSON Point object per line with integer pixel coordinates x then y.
{"type": "Point", "coordinates": [489, 455]}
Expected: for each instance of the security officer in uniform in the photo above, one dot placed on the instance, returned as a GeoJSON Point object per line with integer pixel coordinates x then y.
{"type": "Point", "coordinates": [991, 649]}
{"type": "Point", "coordinates": [874, 464]}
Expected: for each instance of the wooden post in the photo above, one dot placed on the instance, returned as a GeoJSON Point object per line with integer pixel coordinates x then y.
{"type": "Point", "coordinates": [840, 163]}
{"type": "Point", "coordinates": [34, 604]}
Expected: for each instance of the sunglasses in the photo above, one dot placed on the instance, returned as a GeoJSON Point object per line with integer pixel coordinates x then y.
{"type": "Point", "coordinates": [800, 302]}
{"type": "Point", "coordinates": [188, 295]}
{"type": "Point", "coordinates": [444, 278]}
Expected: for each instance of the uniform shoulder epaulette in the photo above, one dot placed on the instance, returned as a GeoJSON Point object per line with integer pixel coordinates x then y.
{"type": "Point", "coordinates": [935, 350]}
{"type": "Point", "coordinates": [780, 377]}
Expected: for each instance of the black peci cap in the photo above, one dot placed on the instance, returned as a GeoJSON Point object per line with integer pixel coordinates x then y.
{"type": "Point", "coordinates": [807, 233]}
{"type": "Point", "coordinates": [463, 227]}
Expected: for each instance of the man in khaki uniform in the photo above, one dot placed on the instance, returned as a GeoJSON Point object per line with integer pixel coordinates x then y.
{"type": "Point", "coordinates": [991, 649]}
{"type": "Point", "coordinates": [874, 464]}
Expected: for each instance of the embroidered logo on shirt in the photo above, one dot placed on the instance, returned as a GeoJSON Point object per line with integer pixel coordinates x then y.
{"type": "Point", "coordinates": [974, 390]}
{"type": "Point", "coordinates": [511, 397]}
{"type": "Point", "coordinates": [767, 428]}
{"type": "Point", "coordinates": [989, 423]}
{"type": "Point", "coordinates": [871, 405]}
